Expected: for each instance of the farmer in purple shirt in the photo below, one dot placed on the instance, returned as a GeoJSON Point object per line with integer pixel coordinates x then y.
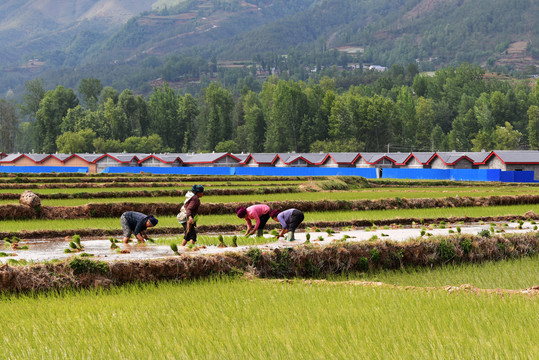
{"type": "Point", "coordinates": [289, 220]}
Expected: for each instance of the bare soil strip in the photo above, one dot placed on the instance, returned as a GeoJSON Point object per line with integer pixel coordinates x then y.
{"type": "Point", "coordinates": [466, 288]}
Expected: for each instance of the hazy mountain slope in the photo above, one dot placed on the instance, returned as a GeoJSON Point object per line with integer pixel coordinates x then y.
{"type": "Point", "coordinates": [29, 27]}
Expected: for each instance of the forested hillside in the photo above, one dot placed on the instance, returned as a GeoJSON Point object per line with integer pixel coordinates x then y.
{"type": "Point", "coordinates": [399, 110]}
{"type": "Point", "coordinates": [191, 38]}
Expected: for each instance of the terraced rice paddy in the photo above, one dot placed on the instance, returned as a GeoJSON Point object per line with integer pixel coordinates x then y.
{"type": "Point", "coordinates": [415, 313]}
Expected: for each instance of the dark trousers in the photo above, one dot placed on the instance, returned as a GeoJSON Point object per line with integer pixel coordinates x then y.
{"type": "Point", "coordinates": [192, 234]}
{"type": "Point", "coordinates": [263, 220]}
{"type": "Point", "coordinates": [295, 219]}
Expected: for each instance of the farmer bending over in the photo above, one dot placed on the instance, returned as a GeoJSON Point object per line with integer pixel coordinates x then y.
{"type": "Point", "coordinates": [289, 220]}
{"type": "Point", "coordinates": [258, 213]}
{"type": "Point", "coordinates": [191, 204]}
{"type": "Point", "coordinates": [136, 223]}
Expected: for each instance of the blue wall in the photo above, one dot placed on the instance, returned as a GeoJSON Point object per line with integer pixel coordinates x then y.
{"type": "Point", "coordinates": [255, 171]}
{"type": "Point", "coordinates": [369, 173]}
{"type": "Point", "coordinates": [43, 169]}
{"type": "Point", "coordinates": [201, 170]}
{"type": "Point", "coordinates": [459, 174]}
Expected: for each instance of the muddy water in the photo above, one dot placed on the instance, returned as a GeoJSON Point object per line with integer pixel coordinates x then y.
{"type": "Point", "coordinates": [49, 249]}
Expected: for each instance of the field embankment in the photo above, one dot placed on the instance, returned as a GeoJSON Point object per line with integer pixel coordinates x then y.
{"type": "Point", "coordinates": [300, 261]}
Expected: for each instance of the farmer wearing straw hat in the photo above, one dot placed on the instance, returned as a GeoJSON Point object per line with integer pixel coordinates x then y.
{"type": "Point", "coordinates": [135, 223]}
{"type": "Point", "coordinates": [289, 220]}
{"type": "Point", "coordinates": [191, 204]}
{"type": "Point", "coordinates": [258, 213]}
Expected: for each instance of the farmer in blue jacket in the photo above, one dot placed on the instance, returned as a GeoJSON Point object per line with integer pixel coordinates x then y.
{"type": "Point", "coordinates": [135, 223]}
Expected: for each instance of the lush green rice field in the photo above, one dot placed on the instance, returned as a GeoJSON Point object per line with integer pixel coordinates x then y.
{"type": "Point", "coordinates": [373, 215]}
{"type": "Point", "coordinates": [518, 273]}
{"type": "Point", "coordinates": [242, 319]}
{"type": "Point", "coordinates": [364, 194]}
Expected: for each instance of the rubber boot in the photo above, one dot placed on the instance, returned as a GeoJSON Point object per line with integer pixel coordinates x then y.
{"type": "Point", "coordinates": [291, 236]}
{"type": "Point", "coordinates": [259, 232]}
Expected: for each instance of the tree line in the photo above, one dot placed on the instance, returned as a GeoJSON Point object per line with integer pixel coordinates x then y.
{"type": "Point", "coordinates": [456, 108]}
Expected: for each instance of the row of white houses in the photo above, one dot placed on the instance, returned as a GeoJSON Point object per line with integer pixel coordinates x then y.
{"type": "Point", "coordinates": [506, 160]}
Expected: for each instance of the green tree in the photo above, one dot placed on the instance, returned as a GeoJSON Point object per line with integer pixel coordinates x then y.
{"type": "Point", "coordinates": [289, 107]}
{"type": "Point", "coordinates": [8, 125]}
{"type": "Point", "coordinates": [108, 92]}
{"type": "Point", "coordinates": [438, 139]}
{"type": "Point", "coordinates": [119, 124]}
{"type": "Point", "coordinates": [107, 146]}
{"type": "Point", "coordinates": [52, 110]}
{"type": "Point", "coordinates": [163, 110]}
{"type": "Point", "coordinates": [188, 112]}
{"type": "Point", "coordinates": [506, 138]}
{"type": "Point", "coordinates": [76, 142]}
{"type": "Point", "coordinates": [255, 124]}
{"type": "Point", "coordinates": [128, 103]}
{"type": "Point", "coordinates": [35, 92]}
{"type": "Point", "coordinates": [228, 146]}
{"type": "Point", "coordinates": [74, 117]}
{"type": "Point", "coordinates": [217, 115]}
{"type": "Point", "coordinates": [425, 123]}
{"type": "Point", "coordinates": [89, 91]}
{"type": "Point", "coordinates": [533, 126]}
{"type": "Point", "coordinates": [24, 141]}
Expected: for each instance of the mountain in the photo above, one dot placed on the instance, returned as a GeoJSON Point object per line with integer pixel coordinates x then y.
{"type": "Point", "coordinates": [137, 39]}
{"type": "Point", "coordinates": [31, 28]}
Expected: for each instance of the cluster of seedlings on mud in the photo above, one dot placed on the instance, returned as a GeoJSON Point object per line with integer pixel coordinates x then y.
{"type": "Point", "coordinates": [14, 244]}
{"type": "Point", "coordinates": [74, 245]}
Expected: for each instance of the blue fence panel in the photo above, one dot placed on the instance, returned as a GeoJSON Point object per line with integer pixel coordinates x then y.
{"type": "Point", "coordinates": [520, 176]}
{"type": "Point", "coordinates": [43, 169]}
{"type": "Point", "coordinates": [507, 176]}
{"type": "Point", "coordinates": [475, 174]}
{"type": "Point", "coordinates": [369, 173]}
{"type": "Point", "coordinates": [195, 170]}
{"type": "Point", "coordinates": [417, 174]}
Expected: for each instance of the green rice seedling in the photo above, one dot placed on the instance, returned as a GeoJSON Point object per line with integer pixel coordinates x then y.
{"type": "Point", "coordinates": [320, 238]}
{"type": "Point", "coordinates": [423, 232]}
{"type": "Point", "coordinates": [3, 254]}
{"type": "Point", "coordinates": [386, 227]}
{"type": "Point", "coordinates": [85, 254]}
{"type": "Point", "coordinates": [23, 247]}
{"type": "Point", "coordinates": [506, 225]}
{"type": "Point", "coordinates": [459, 229]}
{"type": "Point", "coordinates": [13, 262]}
{"type": "Point", "coordinates": [113, 242]}
{"type": "Point", "coordinates": [330, 231]}
{"type": "Point", "coordinates": [533, 222]}
{"type": "Point", "coordinates": [382, 234]}
{"type": "Point", "coordinates": [373, 238]}
{"type": "Point", "coordinates": [174, 248]}
{"type": "Point", "coordinates": [274, 232]}
{"type": "Point", "coordinates": [347, 228]}
{"type": "Point", "coordinates": [492, 230]}
{"type": "Point", "coordinates": [221, 241]}
{"type": "Point", "coordinates": [451, 231]}
{"type": "Point", "coordinates": [234, 241]}
{"type": "Point", "coordinates": [484, 233]}
{"type": "Point", "coordinates": [520, 223]}
{"type": "Point", "coordinates": [535, 227]}
{"type": "Point", "coordinates": [345, 237]}
{"type": "Point", "coordinates": [429, 234]}
{"type": "Point", "coordinates": [307, 238]}
{"type": "Point", "coordinates": [67, 251]}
